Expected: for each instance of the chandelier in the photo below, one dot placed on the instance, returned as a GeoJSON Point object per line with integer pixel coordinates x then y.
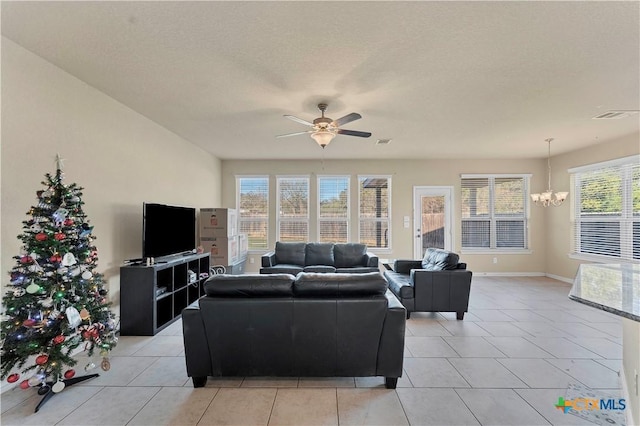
{"type": "Point", "coordinates": [548, 198]}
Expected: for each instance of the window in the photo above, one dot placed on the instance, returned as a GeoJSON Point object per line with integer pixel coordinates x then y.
{"type": "Point", "coordinates": [494, 212]}
{"type": "Point", "coordinates": [375, 210]}
{"type": "Point", "coordinates": [293, 209]}
{"type": "Point", "coordinates": [606, 214]}
{"type": "Point", "coordinates": [253, 209]}
{"type": "Point", "coordinates": [333, 209]}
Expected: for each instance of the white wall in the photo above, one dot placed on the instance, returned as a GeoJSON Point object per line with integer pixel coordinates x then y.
{"type": "Point", "coordinates": [120, 157]}
{"type": "Point", "coordinates": [405, 175]}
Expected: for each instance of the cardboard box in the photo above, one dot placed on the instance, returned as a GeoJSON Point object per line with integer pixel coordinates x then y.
{"type": "Point", "coordinates": [223, 250]}
{"type": "Point", "coordinates": [218, 222]}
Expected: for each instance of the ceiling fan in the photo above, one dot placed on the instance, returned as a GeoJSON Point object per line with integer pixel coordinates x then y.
{"type": "Point", "coordinates": [324, 129]}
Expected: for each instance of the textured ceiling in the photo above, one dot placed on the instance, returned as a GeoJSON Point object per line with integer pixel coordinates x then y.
{"type": "Point", "coordinates": [442, 79]}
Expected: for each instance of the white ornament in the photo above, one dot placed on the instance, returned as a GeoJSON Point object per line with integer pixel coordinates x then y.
{"type": "Point", "coordinates": [68, 259]}
{"type": "Point", "coordinates": [33, 288]}
{"type": "Point", "coordinates": [19, 292]}
{"type": "Point", "coordinates": [75, 271]}
{"type": "Point", "coordinates": [47, 302]}
{"type": "Point", "coordinates": [62, 270]}
{"type": "Point", "coordinates": [58, 387]}
{"type": "Point", "coordinates": [87, 275]}
{"type": "Point", "coordinates": [89, 366]}
{"type": "Point", "coordinates": [73, 316]}
{"type": "Point", "coordinates": [60, 215]}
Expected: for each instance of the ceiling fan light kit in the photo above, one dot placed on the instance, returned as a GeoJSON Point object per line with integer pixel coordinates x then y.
{"type": "Point", "coordinates": [548, 198]}
{"type": "Point", "coordinates": [324, 129]}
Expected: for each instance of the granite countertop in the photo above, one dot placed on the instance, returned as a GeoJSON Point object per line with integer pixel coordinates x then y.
{"type": "Point", "coordinates": [614, 288]}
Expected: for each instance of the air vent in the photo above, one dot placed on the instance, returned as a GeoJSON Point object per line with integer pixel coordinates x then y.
{"type": "Point", "coordinates": [614, 115]}
{"type": "Point", "coordinates": [383, 142]}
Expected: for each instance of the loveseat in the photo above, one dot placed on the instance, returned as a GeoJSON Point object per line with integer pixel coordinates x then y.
{"type": "Point", "coordinates": [292, 258]}
{"type": "Point", "coordinates": [315, 324]}
{"type": "Point", "coordinates": [437, 283]}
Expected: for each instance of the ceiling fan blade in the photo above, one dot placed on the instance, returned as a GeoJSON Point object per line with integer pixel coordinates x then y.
{"type": "Point", "coordinates": [354, 133]}
{"type": "Point", "coordinates": [294, 134]}
{"type": "Point", "coordinates": [347, 119]}
{"type": "Point", "coordinates": [299, 120]}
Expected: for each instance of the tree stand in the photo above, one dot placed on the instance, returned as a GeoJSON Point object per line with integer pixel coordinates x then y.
{"type": "Point", "coordinates": [67, 382]}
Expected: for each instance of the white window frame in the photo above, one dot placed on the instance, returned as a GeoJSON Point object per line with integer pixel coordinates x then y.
{"type": "Point", "coordinates": [266, 217]}
{"type": "Point", "coordinates": [493, 249]}
{"type": "Point", "coordinates": [626, 218]}
{"type": "Point", "coordinates": [387, 249]}
{"type": "Point", "coordinates": [279, 218]}
{"type": "Point", "coordinates": [346, 219]}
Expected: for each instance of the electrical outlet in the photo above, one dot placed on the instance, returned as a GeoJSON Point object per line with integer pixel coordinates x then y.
{"type": "Point", "coordinates": [252, 260]}
{"type": "Point", "coordinates": [635, 374]}
{"type": "Point", "coordinates": [495, 260]}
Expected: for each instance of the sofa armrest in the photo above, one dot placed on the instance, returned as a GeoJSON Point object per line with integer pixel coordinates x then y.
{"type": "Point", "coordinates": [269, 259]}
{"type": "Point", "coordinates": [391, 350]}
{"type": "Point", "coordinates": [440, 290]}
{"type": "Point", "coordinates": [196, 349]}
{"type": "Point", "coordinates": [404, 266]}
{"type": "Point", "coordinates": [371, 260]}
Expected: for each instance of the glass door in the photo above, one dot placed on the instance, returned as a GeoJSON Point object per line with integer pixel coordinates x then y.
{"type": "Point", "coordinates": [432, 218]}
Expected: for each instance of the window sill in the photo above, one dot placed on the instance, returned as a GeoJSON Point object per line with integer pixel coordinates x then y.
{"type": "Point", "coordinates": [495, 251]}
{"type": "Point", "coordinates": [600, 259]}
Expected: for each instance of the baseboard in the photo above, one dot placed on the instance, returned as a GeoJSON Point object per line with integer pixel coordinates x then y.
{"type": "Point", "coordinates": [523, 274]}
{"type": "Point", "coordinates": [559, 278]}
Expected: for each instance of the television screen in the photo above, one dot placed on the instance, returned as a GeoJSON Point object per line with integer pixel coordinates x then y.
{"type": "Point", "coordinates": [168, 230]}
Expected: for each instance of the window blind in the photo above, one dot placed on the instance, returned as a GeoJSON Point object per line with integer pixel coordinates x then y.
{"type": "Point", "coordinates": [494, 211]}
{"type": "Point", "coordinates": [293, 209]}
{"type": "Point", "coordinates": [333, 216]}
{"type": "Point", "coordinates": [607, 209]}
{"type": "Point", "coordinates": [253, 210]}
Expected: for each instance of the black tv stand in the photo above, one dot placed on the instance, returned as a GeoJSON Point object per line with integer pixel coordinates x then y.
{"type": "Point", "coordinates": [143, 310]}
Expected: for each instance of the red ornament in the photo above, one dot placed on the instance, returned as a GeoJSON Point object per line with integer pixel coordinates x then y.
{"type": "Point", "coordinates": [42, 359]}
{"type": "Point", "coordinates": [69, 374]}
{"type": "Point", "coordinates": [24, 384]}
{"type": "Point", "coordinates": [26, 259]}
{"type": "Point", "coordinates": [13, 378]}
{"type": "Point", "coordinates": [55, 258]}
{"type": "Point", "coordinates": [58, 339]}
{"type": "Point", "coordinates": [41, 236]}
{"type": "Point", "coordinates": [68, 222]}
{"type": "Point", "coordinates": [29, 322]}
{"type": "Point", "coordinates": [59, 236]}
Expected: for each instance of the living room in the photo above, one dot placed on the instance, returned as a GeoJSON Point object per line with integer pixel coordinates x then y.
{"type": "Point", "coordinates": [126, 150]}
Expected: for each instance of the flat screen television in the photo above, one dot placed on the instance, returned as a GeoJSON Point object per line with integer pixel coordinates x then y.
{"type": "Point", "coordinates": [167, 230]}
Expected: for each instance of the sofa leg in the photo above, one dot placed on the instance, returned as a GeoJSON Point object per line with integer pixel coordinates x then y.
{"type": "Point", "coordinates": [390, 382]}
{"type": "Point", "coordinates": [408, 314]}
{"type": "Point", "coordinates": [459, 315]}
{"type": "Point", "coordinates": [199, 382]}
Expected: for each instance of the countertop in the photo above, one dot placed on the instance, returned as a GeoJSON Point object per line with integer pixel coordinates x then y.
{"type": "Point", "coordinates": [614, 288]}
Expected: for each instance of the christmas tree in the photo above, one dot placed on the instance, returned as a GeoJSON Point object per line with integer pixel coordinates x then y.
{"type": "Point", "coordinates": [56, 301]}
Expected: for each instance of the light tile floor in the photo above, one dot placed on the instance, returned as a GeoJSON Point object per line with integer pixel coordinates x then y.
{"type": "Point", "coordinates": [519, 347]}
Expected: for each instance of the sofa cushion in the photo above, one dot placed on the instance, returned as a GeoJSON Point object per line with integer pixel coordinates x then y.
{"type": "Point", "coordinates": [252, 285]}
{"type": "Point", "coordinates": [320, 268]}
{"type": "Point", "coordinates": [319, 254]}
{"type": "Point", "coordinates": [290, 253]}
{"type": "Point", "coordinates": [282, 269]}
{"type": "Point", "coordinates": [349, 254]}
{"type": "Point", "coordinates": [310, 284]}
{"type": "Point", "coordinates": [400, 284]}
{"type": "Point", "coordinates": [439, 260]}
{"type": "Point", "coordinates": [358, 270]}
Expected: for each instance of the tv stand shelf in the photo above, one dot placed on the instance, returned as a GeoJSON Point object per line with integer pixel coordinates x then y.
{"type": "Point", "coordinates": [143, 310]}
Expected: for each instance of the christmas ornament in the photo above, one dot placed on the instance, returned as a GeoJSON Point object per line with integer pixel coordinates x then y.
{"type": "Point", "coordinates": [33, 288]}
{"type": "Point", "coordinates": [68, 222]}
{"type": "Point", "coordinates": [68, 259]}
{"type": "Point", "coordinates": [90, 366]}
{"type": "Point", "coordinates": [35, 380]}
{"type": "Point", "coordinates": [29, 322]}
{"type": "Point", "coordinates": [87, 275]}
{"type": "Point", "coordinates": [18, 292]}
{"type": "Point", "coordinates": [58, 339]}
{"type": "Point", "coordinates": [24, 384]}
{"type": "Point", "coordinates": [84, 314]}
{"type": "Point", "coordinates": [60, 215]}
{"type": "Point", "coordinates": [26, 259]}
{"type": "Point", "coordinates": [58, 387]}
{"type": "Point", "coordinates": [55, 258]}
{"type": "Point", "coordinates": [73, 316]}
{"type": "Point", "coordinates": [42, 359]}
{"type": "Point", "coordinates": [105, 364]}
{"type": "Point", "coordinates": [35, 228]}
{"type": "Point", "coordinates": [69, 374]}
{"type": "Point", "coordinates": [13, 378]}
{"type": "Point", "coordinates": [59, 236]}
{"type": "Point", "coordinates": [41, 236]}
{"type": "Point", "coordinates": [46, 303]}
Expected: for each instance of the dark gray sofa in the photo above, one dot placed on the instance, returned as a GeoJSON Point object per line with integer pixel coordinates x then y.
{"type": "Point", "coordinates": [437, 283]}
{"type": "Point", "coordinates": [315, 324]}
{"type": "Point", "coordinates": [293, 258]}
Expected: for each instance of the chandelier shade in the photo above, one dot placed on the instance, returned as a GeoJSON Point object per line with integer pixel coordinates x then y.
{"type": "Point", "coordinates": [323, 137]}
{"type": "Point", "coordinates": [549, 198]}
